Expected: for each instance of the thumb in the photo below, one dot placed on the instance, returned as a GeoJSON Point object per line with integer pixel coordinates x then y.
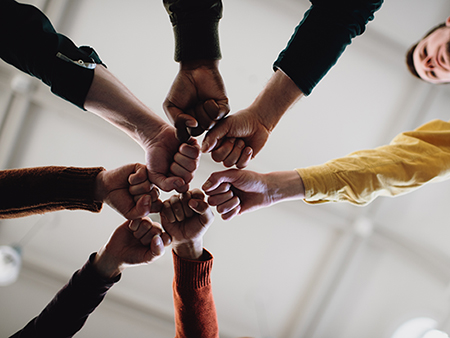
{"type": "Point", "coordinates": [167, 183]}
{"type": "Point", "coordinates": [213, 137]}
{"type": "Point", "coordinates": [183, 123]}
{"type": "Point", "coordinates": [217, 178]}
{"type": "Point", "coordinates": [216, 110]}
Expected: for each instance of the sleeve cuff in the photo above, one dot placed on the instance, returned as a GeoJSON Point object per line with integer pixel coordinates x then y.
{"type": "Point", "coordinates": [193, 274]}
{"type": "Point", "coordinates": [196, 40]}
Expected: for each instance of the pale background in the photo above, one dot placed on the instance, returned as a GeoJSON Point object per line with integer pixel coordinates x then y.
{"type": "Point", "coordinates": [292, 270]}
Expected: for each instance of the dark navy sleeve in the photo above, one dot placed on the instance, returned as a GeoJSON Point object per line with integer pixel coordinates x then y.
{"type": "Point", "coordinates": [196, 28]}
{"type": "Point", "coordinates": [321, 37]}
{"type": "Point", "coordinates": [68, 311]}
{"type": "Point", "coordinates": [29, 42]}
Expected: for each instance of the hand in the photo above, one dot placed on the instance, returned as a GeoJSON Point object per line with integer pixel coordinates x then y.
{"type": "Point", "coordinates": [237, 191]}
{"type": "Point", "coordinates": [132, 243]}
{"type": "Point", "coordinates": [197, 98]}
{"type": "Point", "coordinates": [186, 218]}
{"type": "Point", "coordinates": [171, 165]}
{"type": "Point", "coordinates": [128, 191]}
{"type": "Point", "coordinates": [236, 139]}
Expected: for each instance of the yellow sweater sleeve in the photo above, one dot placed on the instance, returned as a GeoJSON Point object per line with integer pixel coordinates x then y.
{"type": "Point", "coordinates": [412, 159]}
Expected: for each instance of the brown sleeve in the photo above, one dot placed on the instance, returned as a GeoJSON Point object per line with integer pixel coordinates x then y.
{"type": "Point", "coordinates": [30, 191]}
{"type": "Point", "coordinates": [195, 311]}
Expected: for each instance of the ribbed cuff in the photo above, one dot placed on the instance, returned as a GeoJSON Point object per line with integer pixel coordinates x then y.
{"type": "Point", "coordinates": [193, 274]}
{"type": "Point", "coordinates": [196, 40]}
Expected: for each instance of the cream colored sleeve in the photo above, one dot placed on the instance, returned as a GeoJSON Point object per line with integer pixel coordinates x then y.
{"type": "Point", "coordinates": [411, 160]}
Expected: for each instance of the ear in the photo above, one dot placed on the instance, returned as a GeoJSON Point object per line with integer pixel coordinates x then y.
{"type": "Point", "coordinates": [447, 22]}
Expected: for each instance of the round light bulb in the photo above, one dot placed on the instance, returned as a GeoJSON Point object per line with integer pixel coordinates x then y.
{"type": "Point", "coordinates": [10, 263]}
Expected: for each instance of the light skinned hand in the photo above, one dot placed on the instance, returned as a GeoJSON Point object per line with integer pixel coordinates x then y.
{"type": "Point", "coordinates": [236, 139]}
{"type": "Point", "coordinates": [170, 163]}
{"type": "Point", "coordinates": [128, 191]}
{"type": "Point", "coordinates": [128, 247]}
{"type": "Point", "coordinates": [197, 98]}
{"type": "Point", "coordinates": [186, 218]}
{"type": "Point", "coordinates": [236, 191]}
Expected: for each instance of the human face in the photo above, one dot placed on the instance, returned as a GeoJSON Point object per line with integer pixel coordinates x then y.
{"type": "Point", "coordinates": [432, 56]}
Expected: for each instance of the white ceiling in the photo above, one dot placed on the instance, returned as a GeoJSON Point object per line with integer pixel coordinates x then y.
{"type": "Point", "coordinates": [291, 270]}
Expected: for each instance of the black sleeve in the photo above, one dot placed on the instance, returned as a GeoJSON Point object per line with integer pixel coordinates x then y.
{"type": "Point", "coordinates": [68, 311]}
{"type": "Point", "coordinates": [29, 42]}
{"type": "Point", "coordinates": [28, 191]}
{"type": "Point", "coordinates": [196, 28]}
{"type": "Point", "coordinates": [321, 37]}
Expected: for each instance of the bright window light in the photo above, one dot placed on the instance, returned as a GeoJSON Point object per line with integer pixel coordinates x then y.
{"type": "Point", "coordinates": [415, 328]}
{"type": "Point", "coordinates": [435, 334]}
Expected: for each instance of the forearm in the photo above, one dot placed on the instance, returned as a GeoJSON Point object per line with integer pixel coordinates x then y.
{"type": "Point", "coordinates": [37, 190]}
{"type": "Point", "coordinates": [284, 186]}
{"type": "Point", "coordinates": [275, 99]}
{"type": "Point", "coordinates": [113, 101]}
{"type": "Point", "coordinates": [410, 161]}
{"type": "Point", "coordinates": [69, 309]}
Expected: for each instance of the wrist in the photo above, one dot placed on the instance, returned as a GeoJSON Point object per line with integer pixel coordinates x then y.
{"type": "Point", "coordinates": [100, 189]}
{"type": "Point", "coordinates": [285, 185]}
{"type": "Point", "coordinates": [192, 250]}
{"type": "Point", "coordinates": [106, 266]}
{"type": "Point", "coordinates": [279, 94]}
{"type": "Point", "coordinates": [200, 63]}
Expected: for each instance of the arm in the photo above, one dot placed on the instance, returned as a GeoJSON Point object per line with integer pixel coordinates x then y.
{"type": "Point", "coordinates": [197, 98]}
{"type": "Point", "coordinates": [69, 309]}
{"type": "Point", "coordinates": [186, 219]}
{"type": "Point", "coordinates": [34, 47]}
{"type": "Point", "coordinates": [31, 44]}
{"type": "Point", "coordinates": [327, 28]}
{"type": "Point", "coordinates": [235, 192]}
{"type": "Point", "coordinates": [411, 160]}
{"type": "Point", "coordinates": [317, 43]}
{"type": "Point", "coordinates": [46, 189]}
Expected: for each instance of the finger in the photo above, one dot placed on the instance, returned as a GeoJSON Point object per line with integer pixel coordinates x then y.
{"type": "Point", "coordinates": [153, 231]}
{"type": "Point", "coordinates": [245, 158]}
{"type": "Point", "coordinates": [228, 205]}
{"type": "Point", "coordinates": [139, 175]}
{"type": "Point", "coordinates": [185, 198]}
{"type": "Point", "coordinates": [182, 125]}
{"type": "Point", "coordinates": [204, 121]}
{"type": "Point", "coordinates": [179, 171]}
{"type": "Point", "coordinates": [156, 206]}
{"type": "Point", "coordinates": [197, 194]}
{"type": "Point", "coordinates": [142, 208]}
{"type": "Point", "coordinates": [187, 163]}
{"type": "Point", "coordinates": [224, 150]}
{"type": "Point", "coordinates": [214, 136]}
{"type": "Point", "coordinates": [229, 215]}
{"type": "Point", "coordinates": [235, 154]}
{"type": "Point", "coordinates": [157, 246]}
{"type": "Point", "coordinates": [220, 198]}
{"type": "Point", "coordinates": [141, 188]}
{"type": "Point", "coordinates": [202, 208]}
{"type": "Point", "coordinates": [134, 224]}
{"type": "Point", "coordinates": [141, 226]}
{"type": "Point", "coordinates": [167, 212]}
{"type": "Point", "coordinates": [167, 240]}
{"type": "Point", "coordinates": [216, 111]}
{"type": "Point", "coordinates": [190, 149]}
{"type": "Point", "coordinates": [221, 189]}
{"type": "Point", "coordinates": [168, 183]}
{"type": "Point", "coordinates": [177, 208]}
{"type": "Point", "coordinates": [217, 178]}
